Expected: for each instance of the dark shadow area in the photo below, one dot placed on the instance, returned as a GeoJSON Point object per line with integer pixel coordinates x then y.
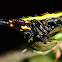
{"type": "Point", "coordinates": [18, 8]}
{"type": "Point", "coordinates": [11, 39]}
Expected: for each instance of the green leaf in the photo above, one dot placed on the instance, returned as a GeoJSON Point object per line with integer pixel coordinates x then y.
{"type": "Point", "coordinates": [58, 36]}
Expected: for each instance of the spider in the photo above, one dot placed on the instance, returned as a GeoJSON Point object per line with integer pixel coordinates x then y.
{"type": "Point", "coordinates": [44, 33]}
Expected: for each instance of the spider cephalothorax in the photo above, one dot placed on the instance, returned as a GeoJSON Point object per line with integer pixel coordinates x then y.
{"type": "Point", "coordinates": [41, 28]}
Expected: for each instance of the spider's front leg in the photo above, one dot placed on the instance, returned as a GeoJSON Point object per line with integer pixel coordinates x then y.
{"type": "Point", "coordinates": [28, 34]}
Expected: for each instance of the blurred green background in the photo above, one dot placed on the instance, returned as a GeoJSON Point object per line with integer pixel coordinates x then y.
{"type": "Point", "coordinates": [43, 58]}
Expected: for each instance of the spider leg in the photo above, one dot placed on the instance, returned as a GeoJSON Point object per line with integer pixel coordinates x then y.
{"type": "Point", "coordinates": [40, 35]}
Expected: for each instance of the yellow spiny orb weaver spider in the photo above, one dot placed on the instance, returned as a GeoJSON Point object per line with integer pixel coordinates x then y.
{"type": "Point", "coordinates": [44, 33]}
